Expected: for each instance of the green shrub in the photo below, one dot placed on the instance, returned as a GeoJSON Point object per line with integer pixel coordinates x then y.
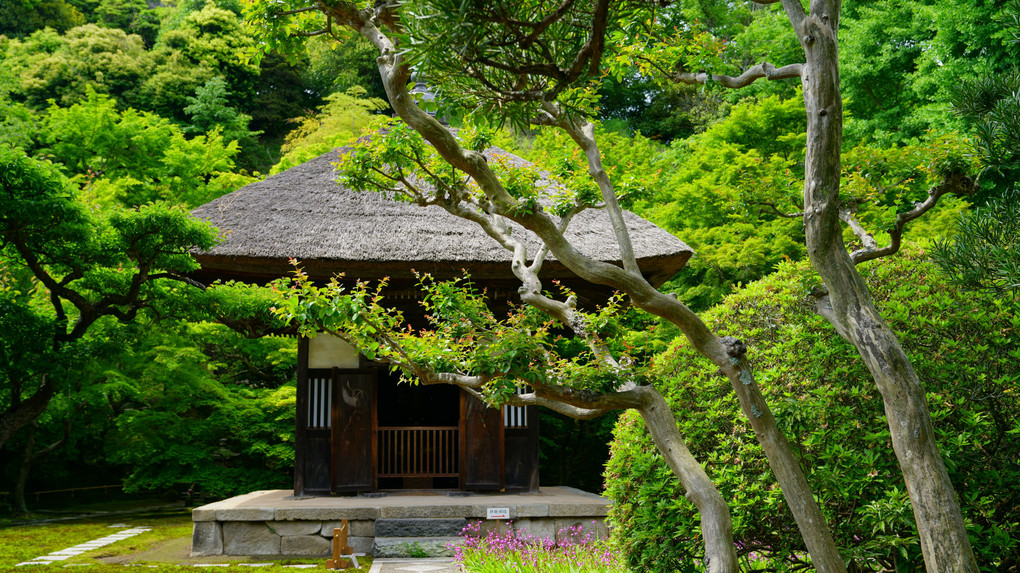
{"type": "Point", "coordinates": [964, 347]}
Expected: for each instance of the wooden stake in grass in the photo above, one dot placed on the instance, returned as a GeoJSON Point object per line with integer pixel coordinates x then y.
{"type": "Point", "coordinates": [343, 555]}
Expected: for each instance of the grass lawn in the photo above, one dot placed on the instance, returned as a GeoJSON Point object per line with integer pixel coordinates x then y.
{"type": "Point", "coordinates": [165, 548]}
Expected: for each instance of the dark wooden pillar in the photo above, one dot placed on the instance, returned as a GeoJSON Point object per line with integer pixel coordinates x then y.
{"type": "Point", "coordinates": [300, 439]}
{"type": "Point", "coordinates": [482, 452]}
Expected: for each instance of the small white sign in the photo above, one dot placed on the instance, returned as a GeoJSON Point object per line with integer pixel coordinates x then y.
{"type": "Point", "coordinates": [498, 513]}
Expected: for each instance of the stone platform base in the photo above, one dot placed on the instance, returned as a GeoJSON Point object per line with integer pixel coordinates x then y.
{"type": "Point", "coordinates": [276, 523]}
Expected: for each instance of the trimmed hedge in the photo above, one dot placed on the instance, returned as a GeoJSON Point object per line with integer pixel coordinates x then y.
{"type": "Point", "coordinates": [964, 346]}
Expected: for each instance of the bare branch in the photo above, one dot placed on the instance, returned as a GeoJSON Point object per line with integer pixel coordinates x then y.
{"type": "Point", "coordinates": [532, 399]}
{"type": "Point", "coordinates": [543, 69]}
{"type": "Point", "coordinates": [186, 280]}
{"type": "Point", "coordinates": [591, 52]}
{"type": "Point", "coordinates": [955, 183]}
{"type": "Point", "coordinates": [546, 22]}
{"type": "Point", "coordinates": [762, 70]}
{"type": "Point", "coordinates": [475, 393]}
{"type": "Point", "coordinates": [866, 238]}
{"type": "Point", "coordinates": [311, 34]}
{"type": "Point", "coordinates": [531, 286]}
{"type": "Point", "coordinates": [795, 13]}
{"type": "Point", "coordinates": [543, 251]}
{"type": "Point", "coordinates": [462, 380]}
{"type": "Point", "coordinates": [716, 526]}
{"type": "Point", "coordinates": [775, 210]}
{"type": "Point", "coordinates": [52, 447]}
{"type": "Point", "coordinates": [57, 289]}
{"type": "Point", "coordinates": [823, 307]}
{"type": "Point", "coordinates": [297, 11]}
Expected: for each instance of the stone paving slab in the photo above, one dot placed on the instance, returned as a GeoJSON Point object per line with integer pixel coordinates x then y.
{"type": "Point", "coordinates": [440, 565]}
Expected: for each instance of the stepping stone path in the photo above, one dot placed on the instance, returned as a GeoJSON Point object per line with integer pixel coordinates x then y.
{"type": "Point", "coordinates": [87, 546]}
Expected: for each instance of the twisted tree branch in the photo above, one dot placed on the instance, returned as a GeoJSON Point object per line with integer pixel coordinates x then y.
{"type": "Point", "coordinates": [955, 183]}
{"type": "Point", "coordinates": [762, 70]}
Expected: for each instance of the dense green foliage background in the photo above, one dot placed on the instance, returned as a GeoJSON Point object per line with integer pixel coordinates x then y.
{"type": "Point", "coordinates": [129, 113]}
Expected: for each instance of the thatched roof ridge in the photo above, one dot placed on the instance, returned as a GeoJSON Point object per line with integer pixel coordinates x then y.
{"type": "Point", "coordinates": [305, 214]}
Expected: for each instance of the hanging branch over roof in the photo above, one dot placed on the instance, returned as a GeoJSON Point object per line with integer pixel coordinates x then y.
{"type": "Point", "coordinates": [582, 131]}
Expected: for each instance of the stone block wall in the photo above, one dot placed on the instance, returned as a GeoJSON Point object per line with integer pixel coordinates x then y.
{"type": "Point", "coordinates": [297, 538]}
{"type": "Point", "coordinates": [271, 523]}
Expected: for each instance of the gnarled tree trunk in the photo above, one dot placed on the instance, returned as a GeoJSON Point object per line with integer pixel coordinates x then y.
{"type": "Point", "coordinates": [944, 540]}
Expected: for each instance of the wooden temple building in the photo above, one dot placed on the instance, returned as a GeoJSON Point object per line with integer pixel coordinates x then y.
{"type": "Point", "coordinates": [358, 430]}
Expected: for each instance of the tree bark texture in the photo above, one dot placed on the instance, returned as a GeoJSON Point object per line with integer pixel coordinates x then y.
{"type": "Point", "coordinates": [944, 540]}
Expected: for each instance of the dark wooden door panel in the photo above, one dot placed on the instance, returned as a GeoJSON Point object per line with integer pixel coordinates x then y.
{"type": "Point", "coordinates": [353, 431]}
{"type": "Point", "coordinates": [482, 439]}
{"type": "Point", "coordinates": [521, 449]}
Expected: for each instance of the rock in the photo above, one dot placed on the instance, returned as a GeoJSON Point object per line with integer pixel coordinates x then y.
{"type": "Point", "coordinates": [309, 545]}
{"type": "Point", "coordinates": [533, 510]}
{"type": "Point", "coordinates": [578, 510]}
{"type": "Point", "coordinates": [426, 511]}
{"type": "Point", "coordinates": [206, 538]}
{"type": "Point", "coordinates": [246, 514]}
{"type": "Point", "coordinates": [578, 526]}
{"type": "Point", "coordinates": [358, 528]}
{"type": "Point", "coordinates": [419, 527]}
{"type": "Point", "coordinates": [247, 538]}
{"type": "Point", "coordinates": [539, 528]}
{"type": "Point", "coordinates": [362, 545]}
{"type": "Point", "coordinates": [326, 513]}
{"type": "Point", "coordinates": [286, 528]}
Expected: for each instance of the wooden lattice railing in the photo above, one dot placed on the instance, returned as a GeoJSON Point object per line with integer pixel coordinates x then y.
{"type": "Point", "coordinates": [418, 451]}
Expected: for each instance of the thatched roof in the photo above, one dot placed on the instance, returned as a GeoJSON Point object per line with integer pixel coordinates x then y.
{"type": "Point", "coordinates": [304, 213]}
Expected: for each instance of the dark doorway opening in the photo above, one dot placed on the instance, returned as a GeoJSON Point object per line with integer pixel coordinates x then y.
{"type": "Point", "coordinates": [403, 404]}
{"type": "Point", "coordinates": [418, 435]}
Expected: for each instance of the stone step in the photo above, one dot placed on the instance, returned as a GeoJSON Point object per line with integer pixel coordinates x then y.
{"type": "Point", "coordinates": [419, 527]}
{"type": "Point", "coordinates": [414, 546]}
